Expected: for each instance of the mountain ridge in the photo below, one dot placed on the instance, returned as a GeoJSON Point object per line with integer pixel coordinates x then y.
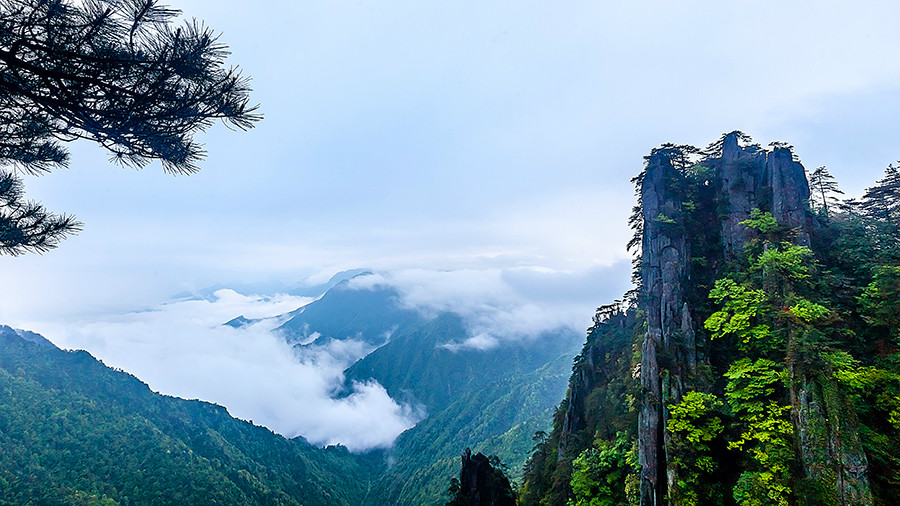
{"type": "Point", "coordinates": [77, 432]}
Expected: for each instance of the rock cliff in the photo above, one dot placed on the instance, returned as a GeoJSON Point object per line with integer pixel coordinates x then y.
{"type": "Point", "coordinates": [692, 226]}
{"type": "Point", "coordinates": [664, 268]}
{"type": "Point", "coordinates": [742, 178]}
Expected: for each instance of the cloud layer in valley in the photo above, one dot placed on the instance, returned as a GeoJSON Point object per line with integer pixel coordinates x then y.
{"type": "Point", "coordinates": [181, 348]}
{"type": "Point", "coordinates": [501, 305]}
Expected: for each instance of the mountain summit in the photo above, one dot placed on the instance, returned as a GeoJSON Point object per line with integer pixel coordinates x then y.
{"type": "Point", "coordinates": [755, 363]}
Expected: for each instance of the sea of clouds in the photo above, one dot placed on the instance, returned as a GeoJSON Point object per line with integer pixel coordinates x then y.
{"type": "Point", "coordinates": [183, 348]}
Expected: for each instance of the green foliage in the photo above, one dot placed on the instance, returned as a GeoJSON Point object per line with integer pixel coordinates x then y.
{"type": "Point", "coordinates": [76, 432]}
{"type": "Point", "coordinates": [761, 220]}
{"type": "Point", "coordinates": [699, 174]}
{"type": "Point", "coordinates": [789, 261]}
{"type": "Point", "coordinates": [765, 430]}
{"type": "Point", "coordinates": [809, 312]}
{"type": "Point", "coordinates": [740, 311]}
{"type": "Point", "coordinates": [824, 190]}
{"type": "Point", "coordinates": [118, 73]}
{"type": "Point", "coordinates": [599, 473]}
{"type": "Point", "coordinates": [756, 384]}
{"type": "Point", "coordinates": [26, 226]}
{"type": "Point", "coordinates": [847, 370]}
{"type": "Point", "coordinates": [694, 423]}
{"type": "Point", "coordinates": [761, 488]}
{"type": "Point", "coordinates": [882, 201]}
{"type": "Point", "coordinates": [662, 218]}
{"type": "Point", "coordinates": [762, 430]}
{"type": "Point", "coordinates": [880, 300]}
{"type": "Point", "coordinates": [751, 383]}
{"type": "Point", "coordinates": [696, 419]}
{"type": "Point", "coordinates": [606, 417]}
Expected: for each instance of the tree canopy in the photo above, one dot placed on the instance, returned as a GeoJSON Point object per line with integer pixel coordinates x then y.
{"type": "Point", "coordinates": [116, 72]}
{"type": "Point", "coordinates": [824, 189]}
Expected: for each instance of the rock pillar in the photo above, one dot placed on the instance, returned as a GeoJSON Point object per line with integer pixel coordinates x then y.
{"type": "Point", "coordinates": [664, 267]}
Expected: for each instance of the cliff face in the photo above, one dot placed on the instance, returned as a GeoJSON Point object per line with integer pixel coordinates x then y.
{"type": "Point", "coordinates": [749, 178]}
{"type": "Point", "coordinates": [594, 405]}
{"type": "Point", "coordinates": [743, 179]}
{"type": "Point", "coordinates": [692, 205]}
{"type": "Point", "coordinates": [828, 439]}
{"type": "Point", "coordinates": [742, 182]}
{"type": "Point", "coordinates": [664, 267]}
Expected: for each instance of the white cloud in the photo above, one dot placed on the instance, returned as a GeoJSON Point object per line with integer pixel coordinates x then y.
{"type": "Point", "coordinates": [479, 342]}
{"type": "Point", "coordinates": [182, 348]}
{"type": "Point", "coordinates": [499, 305]}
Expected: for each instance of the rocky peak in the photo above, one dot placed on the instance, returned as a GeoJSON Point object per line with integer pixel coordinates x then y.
{"type": "Point", "coordinates": [481, 483]}
{"type": "Point", "coordinates": [790, 193]}
{"type": "Point", "coordinates": [692, 203]}
{"type": "Point", "coordinates": [742, 180]}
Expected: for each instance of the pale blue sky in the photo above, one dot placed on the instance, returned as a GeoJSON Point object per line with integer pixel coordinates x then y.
{"type": "Point", "coordinates": [493, 139]}
{"type": "Point", "coordinates": [460, 134]}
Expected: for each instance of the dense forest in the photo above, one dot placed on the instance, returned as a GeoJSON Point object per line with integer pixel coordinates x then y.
{"type": "Point", "coordinates": [75, 432]}
{"type": "Point", "coordinates": [756, 362]}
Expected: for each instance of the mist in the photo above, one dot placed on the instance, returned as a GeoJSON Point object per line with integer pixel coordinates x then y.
{"type": "Point", "coordinates": [182, 347]}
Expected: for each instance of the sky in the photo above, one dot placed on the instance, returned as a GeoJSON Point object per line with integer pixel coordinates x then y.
{"type": "Point", "coordinates": [494, 140]}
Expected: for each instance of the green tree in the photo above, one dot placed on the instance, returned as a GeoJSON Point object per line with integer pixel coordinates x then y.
{"type": "Point", "coordinates": [116, 72]}
{"type": "Point", "coordinates": [741, 308]}
{"type": "Point", "coordinates": [880, 300]}
{"type": "Point", "coordinates": [27, 226]}
{"type": "Point", "coordinates": [769, 313]}
{"type": "Point", "coordinates": [823, 189]}
{"type": "Point", "coordinates": [599, 473]}
{"type": "Point", "coordinates": [882, 201]}
{"type": "Point", "coordinates": [694, 423]}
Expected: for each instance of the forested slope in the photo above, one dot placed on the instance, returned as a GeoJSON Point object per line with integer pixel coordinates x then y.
{"type": "Point", "coordinates": [489, 400]}
{"type": "Point", "coordinates": [73, 431]}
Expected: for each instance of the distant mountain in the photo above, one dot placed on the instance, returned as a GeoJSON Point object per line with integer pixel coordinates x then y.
{"type": "Point", "coordinates": [306, 290]}
{"type": "Point", "coordinates": [491, 400]}
{"type": "Point", "coordinates": [343, 312]}
{"type": "Point", "coordinates": [497, 418]}
{"type": "Point", "coordinates": [437, 374]}
{"type": "Point", "coordinates": [73, 431]}
{"type": "Point", "coordinates": [300, 289]}
{"type": "Point", "coordinates": [239, 322]}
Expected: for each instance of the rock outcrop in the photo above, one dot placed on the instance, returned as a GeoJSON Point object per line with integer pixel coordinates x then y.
{"type": "Point", "coordinates": [692, 205]}
{"type": "Point", "coordinates": [482, 484]}
{"type": "Point", "coordinates": [596, 382]}
{"type": "Point", "coordinates": [664, 267]}
{"type": "Point", "coordinates": [744, 178]}
{"type": "Point", "coordinates": [743, 186]}
{"type": "Point", "coordinates": [829, 445]}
